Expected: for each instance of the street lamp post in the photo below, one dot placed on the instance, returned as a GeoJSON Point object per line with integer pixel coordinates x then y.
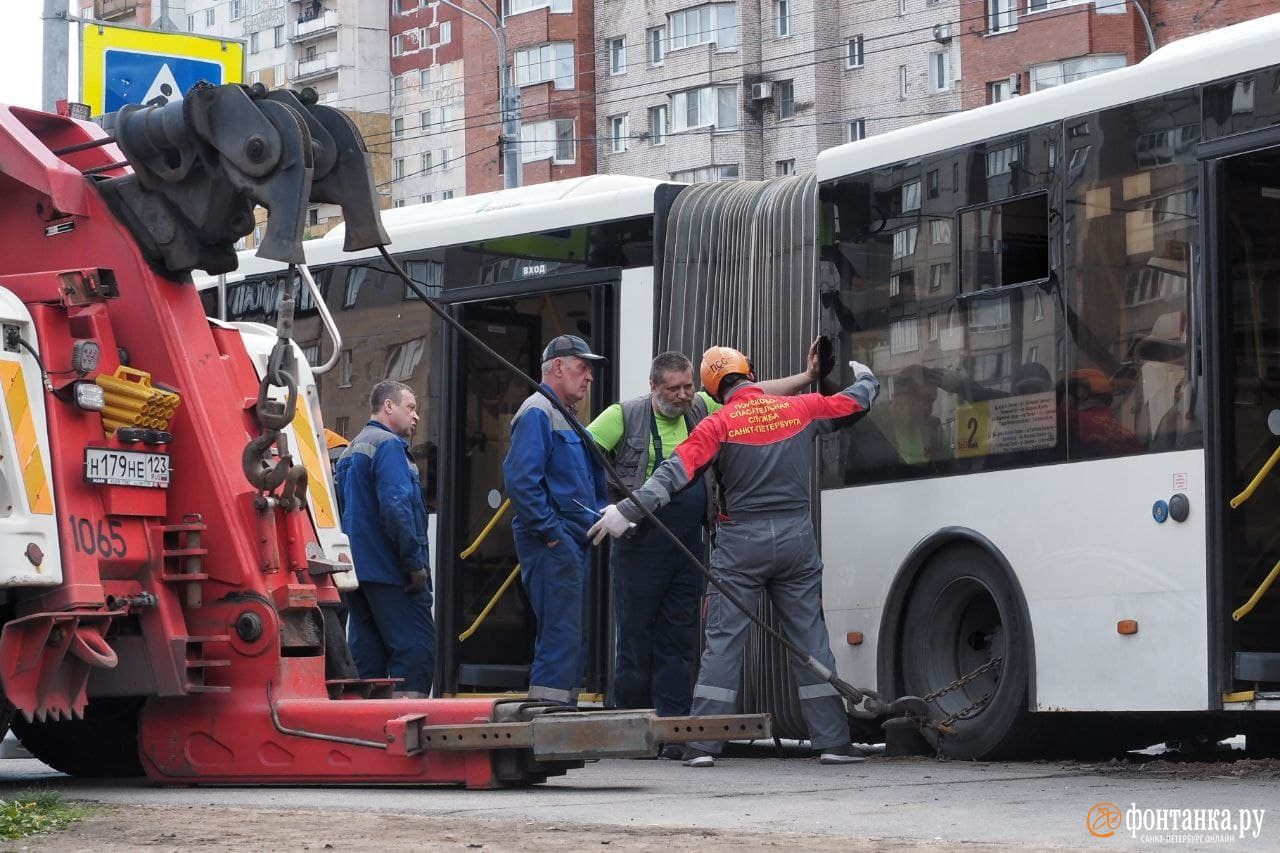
{"type": "Point", "coordinates": [509, 96]}
{"type": "Point", "coordinates": [1146, 25]}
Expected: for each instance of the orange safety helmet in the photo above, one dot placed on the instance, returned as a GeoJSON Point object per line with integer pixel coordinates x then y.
{"type": "Point", "coordinates": [719, 362]}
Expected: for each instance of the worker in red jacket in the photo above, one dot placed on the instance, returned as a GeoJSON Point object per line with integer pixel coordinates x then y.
{"type": "Point", "coordinates": [762, 447]}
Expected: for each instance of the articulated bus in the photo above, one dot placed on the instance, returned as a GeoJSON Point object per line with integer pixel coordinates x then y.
{"type": "Point", "coordinates": [1073, 301]}
{"type": "Point", "coordinates": [517, 267]}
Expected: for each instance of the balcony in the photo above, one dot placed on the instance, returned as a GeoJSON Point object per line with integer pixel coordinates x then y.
{"type": "Point", "coordinates": [315, 67]}
{"type": "Point", "coordinates": [110, 10]}
{"type": "Point", "coordinates": [314, 26]}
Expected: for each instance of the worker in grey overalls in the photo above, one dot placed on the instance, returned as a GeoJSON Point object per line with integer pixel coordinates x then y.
{"type": "Point", "coordinates": [762, 448]}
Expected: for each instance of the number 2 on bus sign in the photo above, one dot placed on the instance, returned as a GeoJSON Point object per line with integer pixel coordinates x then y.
{"type": "Point", "coordinates": [973, 430]}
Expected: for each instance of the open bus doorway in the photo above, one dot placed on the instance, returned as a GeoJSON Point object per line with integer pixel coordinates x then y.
{"type": "Point", "coordinates": [498, 647]}
{"type": "Point", "coordinates": [1248, 299]}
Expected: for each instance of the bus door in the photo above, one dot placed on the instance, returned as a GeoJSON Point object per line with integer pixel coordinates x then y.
{"type": "Point", "coordinates": [1244, 206]}
{"type": "Point", "coordinates": [486, 627]}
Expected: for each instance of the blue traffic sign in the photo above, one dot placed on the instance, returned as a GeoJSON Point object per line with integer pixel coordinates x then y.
{"type": "Point", "coordinates": [132, 77]}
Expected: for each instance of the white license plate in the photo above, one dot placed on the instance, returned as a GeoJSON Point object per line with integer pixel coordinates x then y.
{"type": "Point", "coordinates": [126, 467]}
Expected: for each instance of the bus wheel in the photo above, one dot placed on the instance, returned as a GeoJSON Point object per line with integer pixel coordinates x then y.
{"type": "Point", "coordinates": [101, 745]}
{"type": "Point", "coordinates": [962, 613]}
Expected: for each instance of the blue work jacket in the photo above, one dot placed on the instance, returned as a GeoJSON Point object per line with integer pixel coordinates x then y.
{"type": "Point", "coordinates": [547, 469]}
{"type": "Point", "coordinates": [383, 512]}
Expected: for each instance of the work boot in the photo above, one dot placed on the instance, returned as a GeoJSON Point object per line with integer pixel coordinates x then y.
{"type": "Point", "coordinates": [840, 755]}
{"type": "Point", "coordinates": [694, 757]}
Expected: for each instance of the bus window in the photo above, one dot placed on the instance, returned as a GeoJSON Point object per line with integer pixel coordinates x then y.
{"type": "Point", "coordinates": [952, 303]}
{"type": "Point", "coordinates": [1129, 270]}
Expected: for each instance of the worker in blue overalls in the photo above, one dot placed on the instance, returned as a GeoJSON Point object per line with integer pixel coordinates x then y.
{"type": "Point", "coordinates": [555, 487]}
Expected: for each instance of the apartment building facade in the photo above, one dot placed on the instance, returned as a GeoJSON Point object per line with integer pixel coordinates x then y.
{"type": "Point", "coordinates": [1016, 47]}
{"type": "Point", "coordinates": [755, 88]}
{"type": "Point", "coordinates": [551, 43]}
{"type": "Point", "coordinates": [427, 118]}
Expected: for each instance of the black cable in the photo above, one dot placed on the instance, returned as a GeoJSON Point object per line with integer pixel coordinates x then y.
{"type": "Point", "coordinates": [852, 694]}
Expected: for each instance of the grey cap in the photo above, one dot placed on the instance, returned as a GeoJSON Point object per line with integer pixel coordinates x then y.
{"type": "Point", "coordinates": [569, 345]}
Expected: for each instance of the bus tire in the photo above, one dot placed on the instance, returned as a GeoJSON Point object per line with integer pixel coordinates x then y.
{"type": "Point", "coordinates": [103, 744]}
{"type": "Point", "coordinates": [962, 612]}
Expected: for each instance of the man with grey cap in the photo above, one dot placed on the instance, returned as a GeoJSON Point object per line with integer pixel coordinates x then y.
{"type": "Point", "coordinates": [555, 485]}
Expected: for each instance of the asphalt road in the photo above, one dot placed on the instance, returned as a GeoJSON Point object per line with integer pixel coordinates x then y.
{"type": "Point", "coordinates": [883, 801]}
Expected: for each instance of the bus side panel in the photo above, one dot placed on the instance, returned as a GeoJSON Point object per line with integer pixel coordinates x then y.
{"type": "Point", "coordinates": [1085, 548]}
{"type": "Point", "coordinates": [635, 332]}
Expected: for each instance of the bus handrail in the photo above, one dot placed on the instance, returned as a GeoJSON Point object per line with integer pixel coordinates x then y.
{"type": "Point", "coordinates": [1256, 481]}
{"type": "Point", "coordinates": [493, 601]}
{"type": "Point", "coordinates": [326, 318]}
{"type": "Point", "coordinates": [488, 528]}
{"type": "Point", "coordinates": [1248, 606]}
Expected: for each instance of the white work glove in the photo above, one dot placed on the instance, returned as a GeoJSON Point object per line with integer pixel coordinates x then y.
{"type": "Point", "coordinates": [612, 523]}
{"type": "Point", "coordinates": [860, 371]}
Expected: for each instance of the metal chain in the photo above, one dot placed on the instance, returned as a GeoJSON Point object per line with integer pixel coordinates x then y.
{"type": "Point", "coordinates": [945, 726]}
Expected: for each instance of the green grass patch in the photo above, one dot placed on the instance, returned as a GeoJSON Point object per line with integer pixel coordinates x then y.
{"type": "Point", "coordinates": [35, 811]}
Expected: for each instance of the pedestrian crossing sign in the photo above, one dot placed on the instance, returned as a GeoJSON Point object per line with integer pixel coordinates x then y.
{"type": "Point", "coordinates": [122, 65]}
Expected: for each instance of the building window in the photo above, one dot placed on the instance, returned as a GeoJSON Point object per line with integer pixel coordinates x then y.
{"type": "Point", "coordinates": [904, 336]}
{"type": "Point", "coordinates": [515, 7]}
{"type": "Point", "coordinates": [398, 203]}
{"type": "Point", "coordinates": [904, 242]}
{"type": "Point", "coordinates": [712, 23]}
{"type": "Point", "coordinates": [902, 7]}
{"type": "Point", "coordinates": [191, 23]}
{"type": "Point", "coordinates": [939, 275]}
{"type": "Point", "coordinates": [397, 128]}
{"type": "Point", "coordinates": [999, 90]}
{"type": "Point", "coordinates": [552, 140]}
{"type": "Point", "coordinates": [782, 18]}
{"type": "Point", "coordinates": [933, 325]}
{"type": "Point", "coordinates": [707, 174]}
{"type": "Point", "coordinates": [446, 32]}
{"type": "Point", "coordinates": [618, 55]}
{"type": "Point", "coordinates": [709, 106]}
{"type": "Point", "coordinates": [910, 196]}
{"type": "Point", "coordinates": [398, 169]}
{"type": "Point", "coordinates": [939, 231]}
{"type": "Point", "coordinates": [940, 71]}
{"type": "Point", "coordinates": [209, 19]}
{"type": "Point", "coordinates": [1052, 74]}
{"type": "Point", "coordinates": [397, 85]}
{"type": "Point", "coordinates": [1002, 15]}
{"type": "Point", "coordinates": [446, 195]}
{"type": "Point", "coordinates": [931, 183]}
{"type": "Point", "coordinates": [404, 358]}
{"type": "Point", "coordinates": [344, 369]}
{"type": "Point", "coordinates": [853, 54]}
{"type": "Point", "coordinates": [237, 9]}
{"type": "Point", "coordinates": [426, 162]}
{"type": "Point", "coordinates": [546, 62]}
{"type": "Point", "coordinates": [618, 133]}
{"type": "Point", "coordinates": [856, 129]}
{"type": "Point", "coordinates": [253, 43]}
{"type": "Point", "coordinates": [658, 124]}
{"type": "Point", "coordinates": [782, 168]}
{"type": "Point", "coordinates": [785, 91]}
{"type": "Point", "coordinates": [279, 35]}
{"type": "Point", "coordinates": [656, 39]}
{"type": "Point", "coordinates": [355, 279]}
{"type": "Point", "coordinates": [424, 119]}
{"type": "Point", "coordinates": [424, 78]}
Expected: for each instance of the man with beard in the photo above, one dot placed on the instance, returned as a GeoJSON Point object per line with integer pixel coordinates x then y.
{"type": "Point", "coordinates": [656, 590]}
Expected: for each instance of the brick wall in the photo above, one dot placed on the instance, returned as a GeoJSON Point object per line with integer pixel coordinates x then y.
{"type": "Point", "coordinates": [539, 102]}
